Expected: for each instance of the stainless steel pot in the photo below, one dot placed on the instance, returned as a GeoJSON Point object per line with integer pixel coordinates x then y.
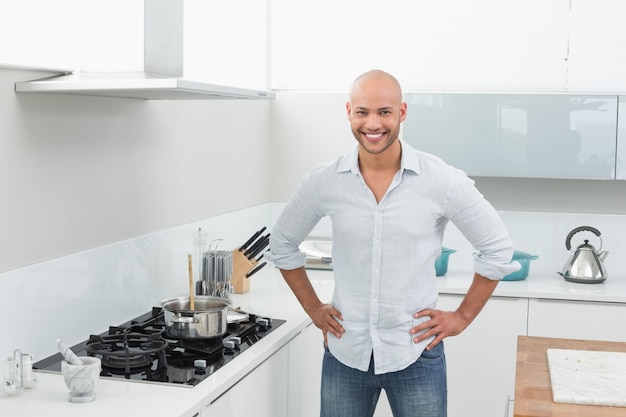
{"type": "Point", "coordinates": [207, 320]}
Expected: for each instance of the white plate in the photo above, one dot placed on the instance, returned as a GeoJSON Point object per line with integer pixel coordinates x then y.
{"type": "Point", "coordinates": [235, 316]}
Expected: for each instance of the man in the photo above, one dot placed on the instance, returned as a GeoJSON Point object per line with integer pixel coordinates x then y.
{"type": "Point", "coordinates": [389, 205]}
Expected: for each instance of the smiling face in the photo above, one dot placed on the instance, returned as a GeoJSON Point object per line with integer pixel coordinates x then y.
{"type": "Point", "coordinates": [375, 111]}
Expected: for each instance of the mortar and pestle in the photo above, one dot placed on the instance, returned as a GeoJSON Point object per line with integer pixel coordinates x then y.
{"type": "Point", "coordinates": [80, 374]}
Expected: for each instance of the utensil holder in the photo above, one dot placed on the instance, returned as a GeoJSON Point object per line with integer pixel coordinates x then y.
{"type": "Point", "coordinates": [216, 274]}
{"type": "Point", "coordinates": [241, 267]}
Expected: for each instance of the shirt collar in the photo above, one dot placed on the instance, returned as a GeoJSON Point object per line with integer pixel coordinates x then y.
{"type": "Point", "coordinates": [409, 160]}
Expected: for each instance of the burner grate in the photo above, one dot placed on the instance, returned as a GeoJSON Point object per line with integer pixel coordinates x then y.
{"type": "Point", "coordinates": [127, 351]}
{"type": "Point", "coordinates": [140, 350]}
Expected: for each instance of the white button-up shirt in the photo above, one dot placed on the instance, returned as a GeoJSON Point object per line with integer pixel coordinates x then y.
{"type": "Point", "coordinates": [384, 253]}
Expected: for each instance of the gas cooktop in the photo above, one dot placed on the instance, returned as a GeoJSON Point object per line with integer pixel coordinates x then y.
{"type": "Point", "coordinates": [140, 350]}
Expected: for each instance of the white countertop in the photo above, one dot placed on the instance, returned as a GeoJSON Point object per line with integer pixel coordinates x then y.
{"type": "Point", "coordinates": [543, 285]}
{"type": "Point", "coordinates": [269, 296]}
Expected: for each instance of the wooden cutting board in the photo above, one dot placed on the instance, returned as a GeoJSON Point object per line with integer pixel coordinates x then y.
{"type": "Point", "coordinates": [588, 377]}
{"type": "Point", "coordinates": [533, 391]}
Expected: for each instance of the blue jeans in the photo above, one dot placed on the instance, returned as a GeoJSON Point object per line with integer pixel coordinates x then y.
{"type": "Point", "coordinates": [417, 391]}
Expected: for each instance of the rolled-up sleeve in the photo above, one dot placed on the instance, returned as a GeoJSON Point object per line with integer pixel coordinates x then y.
{"type": "Point", "coordinates": [294, 224]}
{"type": "Point", "coordinates": [482, 226]}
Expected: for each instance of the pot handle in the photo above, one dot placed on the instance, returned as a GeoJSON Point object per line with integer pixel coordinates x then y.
{"type": "Point", "coordinates": [568, 239]}
{"type": "Point", "coordinates": [179, 318]}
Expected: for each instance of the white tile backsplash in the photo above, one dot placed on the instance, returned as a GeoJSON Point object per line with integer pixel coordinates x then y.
{"type": "Point", "coordinates": [77, 295]}
{"type": "Point", "coordinates": [544, 234]}
{"type": "Point", "coordinates": [539, 233]}
{"type": "Point", "coordinates": [84, 293]}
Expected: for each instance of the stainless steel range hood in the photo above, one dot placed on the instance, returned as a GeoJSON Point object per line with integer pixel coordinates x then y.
{"type": "Point", "coordinates": [162, 78]}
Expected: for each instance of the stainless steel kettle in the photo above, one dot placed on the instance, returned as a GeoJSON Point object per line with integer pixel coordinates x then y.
{"type": "Point", "coordinates": [585, 265]}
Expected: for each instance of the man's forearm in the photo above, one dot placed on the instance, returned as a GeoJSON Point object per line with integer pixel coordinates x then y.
{"type": "Point", "coordinates": [477, 296]}
{"type": "Point", "coordinates": [300, 285]}
{"type": "Point", "coordinates": [325, 316]}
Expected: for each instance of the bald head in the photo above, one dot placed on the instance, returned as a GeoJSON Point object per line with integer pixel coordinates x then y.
{"type": "Point", "coordinates": [375, 111]}
{"type": "Point", "coordinates": [376, 79]}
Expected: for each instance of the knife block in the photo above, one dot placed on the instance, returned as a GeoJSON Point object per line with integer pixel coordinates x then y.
{"type": "Point", "coordinates": [241, 267]}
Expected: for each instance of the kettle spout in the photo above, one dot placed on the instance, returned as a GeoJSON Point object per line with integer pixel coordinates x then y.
{"type": "Point", "coordinates": [602, 255]}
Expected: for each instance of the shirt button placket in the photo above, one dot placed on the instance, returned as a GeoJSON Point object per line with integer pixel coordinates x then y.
{"type": "Point", "coordinates": [376, 280]}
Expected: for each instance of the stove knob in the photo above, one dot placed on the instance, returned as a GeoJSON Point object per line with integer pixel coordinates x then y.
{"type": "Point", "coordinates": [236, 340]}
{"type": "Point", "coordinates": [229, 344]}
{"type": "Point", "coordinates": [264, 323]}
{"type": "Point", "coordinates": [199, 363]}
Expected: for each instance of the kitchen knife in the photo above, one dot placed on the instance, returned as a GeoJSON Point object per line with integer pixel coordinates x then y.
{"type": "Point", "coordinates": [259, 247]}
{"type": "Point", "coordinates": [249, 241]}
{"type": "Point", "coordinates": [255, 270]}
{"type": "Point", "coordinates": [252, 247]}
{"type": "Point", "coordinates": [259, 258]}
{"type": "Point", "coordinates": [255, 246]}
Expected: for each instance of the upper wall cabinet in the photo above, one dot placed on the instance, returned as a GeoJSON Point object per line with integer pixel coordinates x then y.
{"type": "Point", "coordinates": [428, 45]}
{"type": "Point", "coordinates": [226, 42]}
{"type": "Point", "coordinates": [517, 135]}
{"type": "Point", "coordinates": [620, 170]}
{"type": "Point", "coordinates": [452, 45]}
{"type": "Point", "coordinates": [597, 36]}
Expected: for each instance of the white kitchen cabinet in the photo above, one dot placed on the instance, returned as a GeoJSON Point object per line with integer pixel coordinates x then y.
{"type": "Point", "coordinates": [305, 369]}
{"type": "Point", "coordinates": [262, 393]}
{"type": "Point", "coordinates": [509, 407]}
{"type": "Point", "coordinates": [435, 45]}
{"type": "Point", "coordinates": [383, 409]}
{"type": "Point", "coordinates": [306, 352]}
{"type": "Point", "coordinates": [481, 360]}
{"type": "Point", "coordinates": [596, 32]}
{"type": "Point", "coordinates": [517, 135]}
{"type": "Point", "coordinates": [620, 169]}
{"type": "Point", "coordinates": [226, 42]}
{"type": "Point", "coordinates": [577, 319]}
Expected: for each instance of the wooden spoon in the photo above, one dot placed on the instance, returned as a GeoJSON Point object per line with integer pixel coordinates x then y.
{"type": "Point", "coordinates": [191, 289]}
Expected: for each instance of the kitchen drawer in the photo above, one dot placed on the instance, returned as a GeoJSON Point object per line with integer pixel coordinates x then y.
{"type": "Point", "coordinates": [262, 393]}
{"type": "Point", "coordinates": [576, 319]}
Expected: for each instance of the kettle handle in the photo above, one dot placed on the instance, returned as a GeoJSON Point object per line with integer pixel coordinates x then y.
{"type": "Point", "coordinates": [568, 239]}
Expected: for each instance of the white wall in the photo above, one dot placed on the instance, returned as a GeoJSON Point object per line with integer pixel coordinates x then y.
{"type": "Point", "coordinates": [76, 295]}
{"type": "Point", "coordinates": [308, 128]}
{"type": "Point", "coordinates": [81, 172]}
